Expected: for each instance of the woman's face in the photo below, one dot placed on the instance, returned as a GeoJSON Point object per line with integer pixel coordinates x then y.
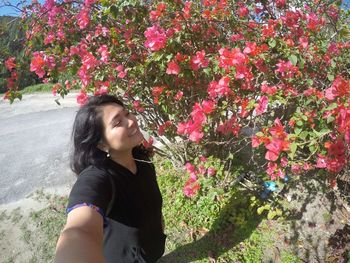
{"type": "Point", "coordinates": [121, 129]}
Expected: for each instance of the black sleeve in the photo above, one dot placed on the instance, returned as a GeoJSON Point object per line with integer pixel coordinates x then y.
{"type": "Point", "coordinates": [92, 187]}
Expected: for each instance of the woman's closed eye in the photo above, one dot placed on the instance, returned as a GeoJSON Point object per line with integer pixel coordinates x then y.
{"type": "Point", "coordinates": [116, 123]}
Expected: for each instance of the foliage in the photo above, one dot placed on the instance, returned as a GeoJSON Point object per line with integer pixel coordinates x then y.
{"type": "Point", "coordinates": [217, 225]}
{"type": "Point", "coordinates": [210, 77]}
{"type": "Point", "coordinates": [12, 38]}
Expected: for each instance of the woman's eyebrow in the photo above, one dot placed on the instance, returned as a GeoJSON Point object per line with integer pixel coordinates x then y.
{"type": "Point", "coordinates": [115, 117]}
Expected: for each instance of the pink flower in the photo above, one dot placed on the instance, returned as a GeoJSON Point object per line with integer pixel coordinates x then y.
{"type": "Point", "coordinates": [10, 63]}
{"type": "Point", "coordinates": [103, 50]}
{"type": "Point", "coordinates": [286, 69]}
{"type": "Point", "coordinates": [137, 106]}
{"type": "Point", "coordinates": [251, 48]}
{"type": "Point", "coordinates": [242, 10]}
{"type": "Point", "coordinates": [280, 3]}
{"type": "Point", "coordinates": [296, 168]}
{"type": "Point", "coordinates": [122, 72]}
{"type": "Point", "coordinates": [83, 18]}
{"type": "Point", "coordinates": [274, 149]}
{"type": "Point", "coordinates": [190, 167]}
{"type": "Point", "coordinates": [208, 106]}
{"type": "Point", "coordinates": [229, 58]}
{"type": "Point", "coordinates": [199, 61]}
{"type": "Point", "coordinates": [211, 171]}
{"type": "Point", "coordinates": [340, 87]}
{"type": "Point", "coordinates": [191, 187]}
{"type": "Point", "coordinates": [37, 64]}
{"type": "Point", "coordinates": [155, 38]}
{"type": "Point", "coordinates": [148, 143]}
{"type": "Point", "coordinates": [82, 98]}
{"type": "Point", "coordinates": [261, 107]}
{"type": "Point", "coordinates": [179, 95]}
{"type": "Point", "coordinates": [173, 68]}
{"type": "Point", "coordinates": [229, 126]}
{"type": "Point", "coordinates": [196, 136]}
{"type": "Point", "coordinates": [255, 142]}
{"type": "Point", "coordinates": [89, 61]}
{"type": "Point", "coordinates": [163, 127]}
{"type": "Point", "coordinates": [50, 37]}
{"type": "Point", "coordinates": [89, 2]}
{"type": "Point", "coordinates": [284, 162]}
{"type": "Point", "coordinates": [271, 168]}
{"type": "Point", "coordinates": [267, 89]}
{"type": "Point", "coordinates": [219, 89]}
{"type": "Point", "coordinates": [304, 42]}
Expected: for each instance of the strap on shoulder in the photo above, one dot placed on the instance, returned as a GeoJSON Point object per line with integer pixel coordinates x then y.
{"type": "Point", "coordinates": [111, 202]}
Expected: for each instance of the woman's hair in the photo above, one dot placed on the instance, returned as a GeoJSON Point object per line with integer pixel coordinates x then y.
{"type": "Point", "coordinates": [88, 130]}
{"type": "Point", "coordinates": [87, 133]}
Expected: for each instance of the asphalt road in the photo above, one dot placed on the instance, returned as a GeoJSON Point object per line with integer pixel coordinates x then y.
{"type": "Point", "coordinates": [34, 144]}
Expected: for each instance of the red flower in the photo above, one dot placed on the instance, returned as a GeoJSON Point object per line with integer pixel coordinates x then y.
{"type": "Point", "coordinates": [173, 68]}
{"type": "Point", "coordinates": [208, 106]}
{"type": "Point", "coordinates": [155, 38]}
{"type": "Point", "coordinates": [10, 63]}
{"type": "Point", "coordinates": [83, 18]}
{"type": "Point", "coordinates": [82, 98]}
{"type": "Point", "coordinates": [37, 64]}
{"type": "Point", "coordinates": [340, 87]}
{"type": "Point", "coordinates": [261, 107]}
{"type": "Point", "coordinates": [199, 61]}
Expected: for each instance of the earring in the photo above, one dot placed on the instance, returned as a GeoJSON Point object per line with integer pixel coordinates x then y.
{"type": "Point", "coordinates": [108, 155]}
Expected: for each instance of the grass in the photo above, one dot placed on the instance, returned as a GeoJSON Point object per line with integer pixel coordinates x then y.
{"type": "Point", "coordinates": [45, 87]}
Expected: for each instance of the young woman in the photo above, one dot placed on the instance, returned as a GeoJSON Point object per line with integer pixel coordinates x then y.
{"type": "Point", "coordinates": [114, 208]}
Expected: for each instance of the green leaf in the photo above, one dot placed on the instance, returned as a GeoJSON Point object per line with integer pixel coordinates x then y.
{"type": "Point", "coordinates": [332, 106]}
{"type": "Point", "coordinates": [272, 42]}
{"type": "Point", "coordinates": [293, 59]}
{"type": "Point", "coordinates": [310, 82]}
{"type": "Point", "coordinates": [330, 119]}
{"type": "Point", "coordinates": [293, 149]}
{"type": "Point", "coordinates": [312, 148]}
{"type": "Point", "coordinates": [259, 134]}
{"type": "Point", "coordinates": [344, 32]}
{"type": "Point", "coordinates": [297, 130]}
{"type": "Point", "coordinates": [207, 71]}
{"type": "Point", "coordinates": [261, 209]}
{"type": "Point", "coordinates": [299, 123]}
{"type": "Point", "coordinates": [303, 135]}
{"type": "Point", "coordinates": [330, 77]}
{"type": "Point", "coordinates": [304, 117]}
{"type": "Point", "coordinates": [113, 10]}
{"type": "Point", "coordinates": [333, 63]}
{"type": "Point", "coordinates": [271, 215]}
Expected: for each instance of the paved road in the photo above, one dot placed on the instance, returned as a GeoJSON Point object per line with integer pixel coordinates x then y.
{"type": "Point", "coordinates": [34, 144]}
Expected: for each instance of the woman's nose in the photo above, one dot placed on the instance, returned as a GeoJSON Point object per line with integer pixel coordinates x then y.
{"type": "Point", "coordinates": [130, 122]}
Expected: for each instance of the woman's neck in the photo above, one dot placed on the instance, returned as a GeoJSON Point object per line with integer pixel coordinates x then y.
{"type": "Point", "coordinates": [125, 159]}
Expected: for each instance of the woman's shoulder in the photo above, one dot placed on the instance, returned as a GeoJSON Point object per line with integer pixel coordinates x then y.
{"type": "Point", "coordinates": [93, 170]}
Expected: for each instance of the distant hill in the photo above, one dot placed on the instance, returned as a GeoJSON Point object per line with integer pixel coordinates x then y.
{"type": "Point", "coordinates": [11, 36]}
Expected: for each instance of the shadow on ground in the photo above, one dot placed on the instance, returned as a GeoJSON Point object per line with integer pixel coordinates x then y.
{"type": "Point", "coordinates": [317, 220]}
{"type": "Point", "coordinates": [224, 234]}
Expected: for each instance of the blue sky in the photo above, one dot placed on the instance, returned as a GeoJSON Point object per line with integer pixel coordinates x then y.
{"type": "Point", "coordinates": [9, 11]}
{"type": "Point", "coordinates": [14, 12]}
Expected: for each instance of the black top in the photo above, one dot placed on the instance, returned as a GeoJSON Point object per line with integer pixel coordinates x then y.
{"type": "Point", "coordinates": [133, 232]}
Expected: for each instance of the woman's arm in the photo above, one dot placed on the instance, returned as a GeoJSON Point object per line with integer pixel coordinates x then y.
{"type": "Point", "coordinates": [81, 240]}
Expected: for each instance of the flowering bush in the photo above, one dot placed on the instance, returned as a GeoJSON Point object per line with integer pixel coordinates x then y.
{"type": "Point", "coordinates": [218, 74]}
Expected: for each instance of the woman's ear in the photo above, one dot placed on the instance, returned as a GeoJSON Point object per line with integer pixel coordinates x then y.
{"type": "Point", "coordinates": [102, 147]}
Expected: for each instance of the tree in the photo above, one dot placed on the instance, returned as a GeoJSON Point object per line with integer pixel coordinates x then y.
{"type": "Point", "coordinates": [211, 77]}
